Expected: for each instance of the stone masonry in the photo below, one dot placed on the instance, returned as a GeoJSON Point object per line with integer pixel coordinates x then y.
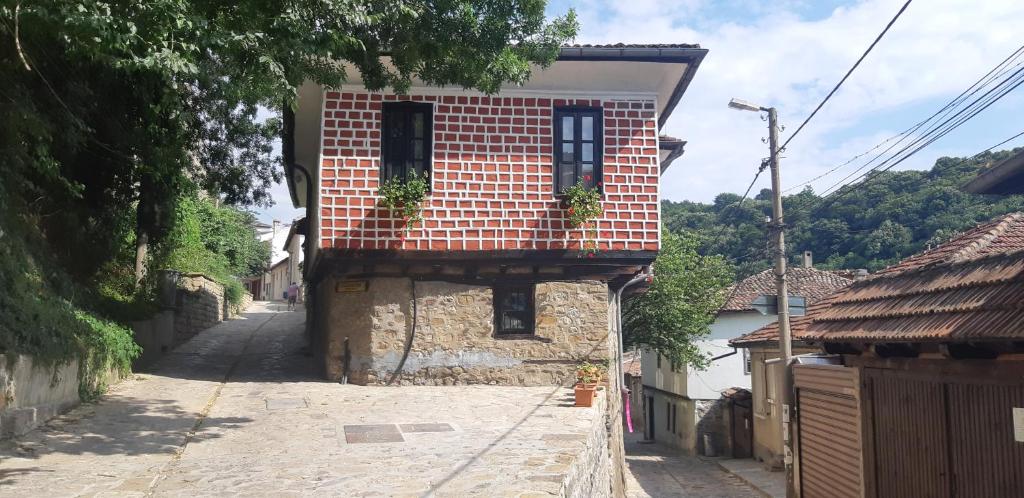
{"type": "Point", "coordinates": [199, 304]}
{"type": "Point", "coordinates": [454, 340]}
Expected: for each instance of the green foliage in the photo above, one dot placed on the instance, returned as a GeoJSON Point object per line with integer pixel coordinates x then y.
{"type": "Point", "coordinates": [683, 298]}
{"type": "Point", "coordinates": [584, 208]}
{"type": "Point", "coordinates": [874, 224]}
{"type": "Point", "coordinates": [45, 314]}
{"type": "Point", "coordinates": [218, 241]}
{"type": "Point", "coordinates": [106, 348]}
{"type": "Point", "coordinates": [589, 373]}
{"type": "Point", "coordinates": [584, 204]}
{"type": "Point", "coordinates": [405, 197]}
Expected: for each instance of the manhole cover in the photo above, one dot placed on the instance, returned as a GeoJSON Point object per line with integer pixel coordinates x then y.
{"type": "Point", "coordinates": [373, 433]}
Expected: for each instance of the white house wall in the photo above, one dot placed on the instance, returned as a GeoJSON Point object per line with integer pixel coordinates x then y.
{"type": "Point", "coordinates": [725, 372]}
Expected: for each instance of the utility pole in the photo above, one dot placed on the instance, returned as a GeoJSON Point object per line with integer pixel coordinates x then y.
{"type": "Point", "coordinates": [777, 227]}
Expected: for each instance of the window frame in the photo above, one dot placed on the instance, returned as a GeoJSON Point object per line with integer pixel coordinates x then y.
{"type": "Point", "coordinates": [577, 112]}
{"type": "Point", "coordinates": [497, 292]}
{"type": "Point", "coordinates": [409, 109]}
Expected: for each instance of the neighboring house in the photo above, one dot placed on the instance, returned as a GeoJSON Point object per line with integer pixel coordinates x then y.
{"type": "Point", "coordinates": [492, 285]}
{"type": "Point", "coordinates": [296, 255]}
{"type": "Point", "coordinates": [681, 398]}
{"type": "Point", "coordinates": [761, 347]}
{"type": "Point", "coordinates": [925, 393]}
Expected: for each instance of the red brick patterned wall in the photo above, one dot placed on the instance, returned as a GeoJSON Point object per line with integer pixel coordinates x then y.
{"type": "Point", "coordinates": [492, 176]}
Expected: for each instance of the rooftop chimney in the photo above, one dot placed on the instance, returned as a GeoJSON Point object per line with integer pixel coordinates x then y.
{"type": "Point", "coordinates": [808, 259]}
{"type": "Point", "coordinates": [277, 225]}
{"type": "Point", "coordinates": [860, 274]}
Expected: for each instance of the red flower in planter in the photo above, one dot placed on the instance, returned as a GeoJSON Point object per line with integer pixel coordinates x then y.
{"type": "Point", "coordinates": [571, 210]}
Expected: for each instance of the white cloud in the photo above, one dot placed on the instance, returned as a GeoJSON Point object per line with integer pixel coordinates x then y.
{"type": "Point", "coordinates": [934, 51]}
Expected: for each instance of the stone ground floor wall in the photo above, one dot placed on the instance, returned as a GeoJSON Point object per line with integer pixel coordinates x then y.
{"type": "Point", "coordinates": [364, 327]}
{"type": "Point", "coordinates": [714, 427]}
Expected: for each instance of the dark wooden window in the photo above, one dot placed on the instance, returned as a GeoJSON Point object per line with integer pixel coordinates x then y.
{"type": "Point", "coordinates": [407, 139]}
{"type": "Point", "coordinates": [668, 417]}
{"type": "Point", "coordinates": [513, 310]}
{"type": "Point", "coordinates": [579, 146]}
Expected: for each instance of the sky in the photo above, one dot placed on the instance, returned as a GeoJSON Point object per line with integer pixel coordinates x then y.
{"type": "Point", "coordinates": [788, 54]}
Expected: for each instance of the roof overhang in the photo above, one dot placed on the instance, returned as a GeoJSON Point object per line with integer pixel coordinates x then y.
{"type": "Point", "coordinates": [299, 227]}
{"type": "Point", "coordinates": [669, 149]}
{"type": "Point", "coordinates": [660, 72]}
{"type": "Point", "coordinates": [1006, 177]}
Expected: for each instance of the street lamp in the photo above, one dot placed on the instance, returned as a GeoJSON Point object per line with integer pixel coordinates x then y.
{"type": "Point", "coordinates": [781, 292]}
{"type": "Point", "coordinates": [743, 105]}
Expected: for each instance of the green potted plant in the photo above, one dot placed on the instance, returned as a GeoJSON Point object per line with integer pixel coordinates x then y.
{"type": "Point", "coordinates": [587, 377]}
{"type": "Point", "coordinates": [405, 197]}
{"type": "Point", "coordinates": [583, 208]}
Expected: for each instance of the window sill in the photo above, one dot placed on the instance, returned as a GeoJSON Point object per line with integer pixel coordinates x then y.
{"type": "Point", "coordinates": [521, 337]}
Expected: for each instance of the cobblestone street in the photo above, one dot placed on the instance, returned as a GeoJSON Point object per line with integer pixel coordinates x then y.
{"type": "Point", "coordinates": [655, 472]}
{"type": "Point", "coordinates": [238, 410]}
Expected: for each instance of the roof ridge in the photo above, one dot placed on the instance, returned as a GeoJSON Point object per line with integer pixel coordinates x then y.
{"type": "Point", "coordinates": [986, 238]}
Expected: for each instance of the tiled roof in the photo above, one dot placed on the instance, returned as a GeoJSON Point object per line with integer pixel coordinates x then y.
{"type": "Point", "coordinates": [998, 236]}
{"type": "Point", "coordinates": [968, 289]}
{"type": "Point", "coordinates": [810, 283]}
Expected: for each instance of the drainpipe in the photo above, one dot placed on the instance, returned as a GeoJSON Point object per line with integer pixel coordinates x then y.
{"type": "Point", "coordinates": [644, 274]}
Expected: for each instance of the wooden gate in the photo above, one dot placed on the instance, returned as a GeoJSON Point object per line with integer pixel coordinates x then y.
{"type": "Point", "coordinates": [945, 436]}
{"type": "Point", "coordinates": [829, 438]}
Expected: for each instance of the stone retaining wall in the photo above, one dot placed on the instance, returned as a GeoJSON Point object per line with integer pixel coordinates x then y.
{"type": "Point", "coordinates": [32, 393]}
{"type": "Point", "coordinates": [199, 305]}
{"type": "Point", "coordinates": [590, 475]}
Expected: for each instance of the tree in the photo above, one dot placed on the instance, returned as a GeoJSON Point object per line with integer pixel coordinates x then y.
{"type": "Point", "coordinates": [683, 298]}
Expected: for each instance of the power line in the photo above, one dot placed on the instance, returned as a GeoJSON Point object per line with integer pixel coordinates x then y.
{"type": "Point", "coordinates": [848, 73]}
{"type": "Point", "coordinates": [997, 71]}
{"type": "Point", "coordinates": [841, 193]}
{"type": "Point", "coordinates": [935, 132]}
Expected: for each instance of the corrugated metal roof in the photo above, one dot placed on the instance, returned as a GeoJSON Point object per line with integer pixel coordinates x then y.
{"type": "Point", "coordinates": [810, 283]}
{"type": "Point", "coordinates": [968, 289]}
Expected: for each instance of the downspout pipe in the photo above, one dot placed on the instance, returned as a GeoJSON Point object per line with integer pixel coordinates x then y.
{"type": "Point", "coordinates": [644, 275]}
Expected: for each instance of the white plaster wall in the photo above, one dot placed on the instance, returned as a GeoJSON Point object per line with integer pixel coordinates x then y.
{"type": "Point", "coordinates": [661, 378]}
{"type": "Point", "coordinates": [726, 372]}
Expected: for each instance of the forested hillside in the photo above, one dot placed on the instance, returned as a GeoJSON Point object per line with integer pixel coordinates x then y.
{"type": "Point", "coordinates": [870, 225]}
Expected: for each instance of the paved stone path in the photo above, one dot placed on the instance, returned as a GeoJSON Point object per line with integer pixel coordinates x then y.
{"type": "Point", "coordinates": [238, 410]}
{"type": "Point", "coordinates": [658, 472]}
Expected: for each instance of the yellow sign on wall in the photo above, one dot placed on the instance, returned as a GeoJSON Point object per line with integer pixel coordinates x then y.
{"type": "Point", "coordinates": [351, 286]}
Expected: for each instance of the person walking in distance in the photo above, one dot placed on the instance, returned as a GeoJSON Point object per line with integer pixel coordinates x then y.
{"type": "Point", "coordinates": [293, 295]}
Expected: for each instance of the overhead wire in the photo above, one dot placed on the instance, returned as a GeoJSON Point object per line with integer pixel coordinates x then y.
{"type": "Point", "coordinates": [986, 79]}
{"type": "Point", "coordinates": [846, 76]}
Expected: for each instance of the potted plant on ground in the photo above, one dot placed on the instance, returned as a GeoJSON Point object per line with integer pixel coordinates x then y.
{"type": "Point", "coordinates": [587, 377]}
{"type": "Point", "coordinates": [404, 197]}
{"type": "Point", "coordinates": [583, 208]}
